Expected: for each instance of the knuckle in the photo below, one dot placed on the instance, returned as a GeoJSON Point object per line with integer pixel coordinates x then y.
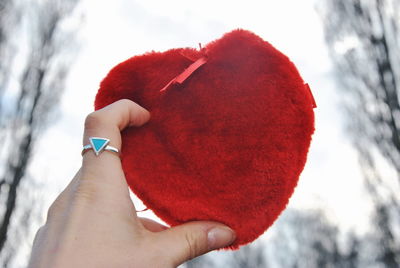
{"type": "Point", "coordinates": [55, 208]}
{"type": "Point", "coordinates": [193, 245]}
{"type": "Point", "coordinates": [92, 120]}
{"type": "Point", "coordinates": [39, 234]}
{"type": "Point", "coordinates": [125, 102]}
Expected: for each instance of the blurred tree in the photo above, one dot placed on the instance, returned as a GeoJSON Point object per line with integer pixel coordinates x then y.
{"type": "Point", "coordinates": [200, 262]}
{"type": "Point", "coordinates": [363, 38]}
{"type": "Point", "coordinates": [307, 240]}
{"type": "Point", "coordinates": [250, 256]}
{"type": "Point", "coordinates": [9, 18]}
{"type": "Point", "coordinates": [44, 43]}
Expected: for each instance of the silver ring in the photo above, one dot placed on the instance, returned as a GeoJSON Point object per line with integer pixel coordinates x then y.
{"type": "Point", "coordinates": [98, 145]}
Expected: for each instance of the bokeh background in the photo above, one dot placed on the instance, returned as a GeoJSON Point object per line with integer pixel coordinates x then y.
{"type": "Point", "coordinates": [345, 211]}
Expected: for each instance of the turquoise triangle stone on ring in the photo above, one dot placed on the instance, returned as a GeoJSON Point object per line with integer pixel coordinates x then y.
{"type": "Point", "coordinates": [98, 144]}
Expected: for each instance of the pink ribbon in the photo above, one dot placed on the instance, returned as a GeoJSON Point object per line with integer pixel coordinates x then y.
{"type": "Point", "coordinates": [179, 79]}
{"type": "Point", "coordinates": [314, 104]}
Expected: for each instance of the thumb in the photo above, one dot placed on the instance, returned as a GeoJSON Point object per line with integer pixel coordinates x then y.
{"type": "Point", "coordinates": [190, 240]}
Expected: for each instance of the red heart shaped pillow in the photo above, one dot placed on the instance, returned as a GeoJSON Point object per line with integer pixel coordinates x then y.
{"type": "Point", "coordinates": [228, 137]}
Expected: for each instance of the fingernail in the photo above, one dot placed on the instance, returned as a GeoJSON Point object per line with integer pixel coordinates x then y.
{"type": "Point", "coordinates": [219, 237]}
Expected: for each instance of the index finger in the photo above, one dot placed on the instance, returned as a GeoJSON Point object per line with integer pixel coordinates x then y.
{"type": "Point", "coordinates": [112, 119]}
{"type": "Point", "coordinates": [108, 123]}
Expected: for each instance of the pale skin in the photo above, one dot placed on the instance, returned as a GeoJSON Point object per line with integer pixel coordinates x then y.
{"type": "Point", "coordinates": [93, 222]}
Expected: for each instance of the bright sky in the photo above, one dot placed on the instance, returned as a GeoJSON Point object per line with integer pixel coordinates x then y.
{"type": "Point", "coordinates": [116, 30]}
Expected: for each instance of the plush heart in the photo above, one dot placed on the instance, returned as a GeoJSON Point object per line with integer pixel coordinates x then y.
{"type": "Point", "coordinates": [226, 143]}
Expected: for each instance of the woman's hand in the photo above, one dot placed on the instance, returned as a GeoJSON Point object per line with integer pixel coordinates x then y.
{"type": "Point", "coordinates": [93, 222]}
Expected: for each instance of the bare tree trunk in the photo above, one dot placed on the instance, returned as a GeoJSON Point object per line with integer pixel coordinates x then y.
{"type": "Point", "coordinates": [17, 172]}
{"type": "Point", "coordinates": [369, 74]}
{"type": "Point", "coordinates": [308, 239]}
{"type": "Point", "coordinates": [41, 85]}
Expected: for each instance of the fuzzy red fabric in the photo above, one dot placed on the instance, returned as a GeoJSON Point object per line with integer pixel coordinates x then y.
{"type": "Point", "coordinates": [227, 144]}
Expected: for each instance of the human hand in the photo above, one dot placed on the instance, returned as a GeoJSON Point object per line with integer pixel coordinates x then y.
{"type": "Point", "coordinates": [93, 222]}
